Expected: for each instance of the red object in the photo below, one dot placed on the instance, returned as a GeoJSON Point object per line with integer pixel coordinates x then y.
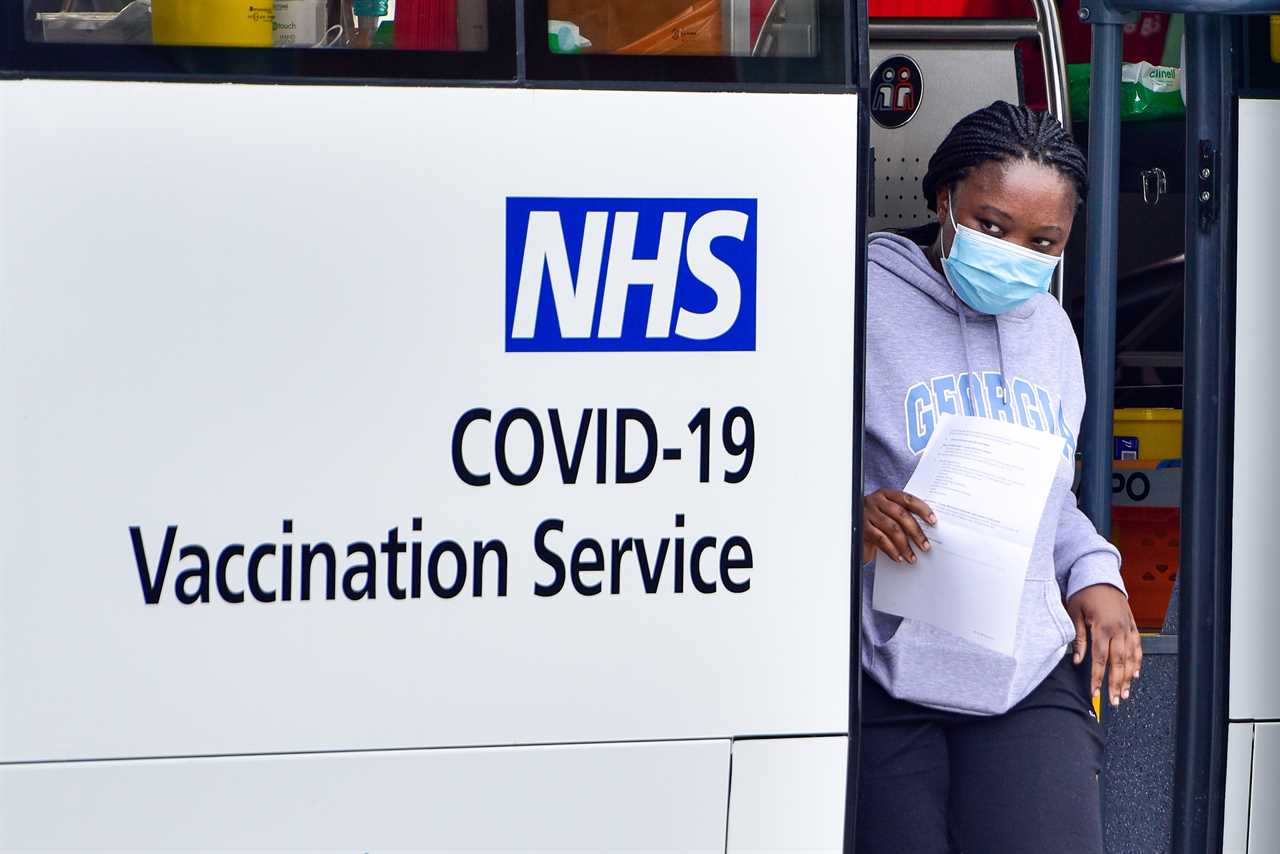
{"type": "Point", "coordinates": [759, 11]}
{"type": "Point", "coordinates": [1147, 538]}
{"type": "Point", "coordinates": [950, 9]}
{"type": "Point", "coordinates": [426, 25]}
{"type": "Point", "coordinates": [1143, 39]}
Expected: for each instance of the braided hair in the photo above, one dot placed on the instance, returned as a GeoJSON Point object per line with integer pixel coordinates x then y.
{"type": "Point", "coordinates": [1003, 132]}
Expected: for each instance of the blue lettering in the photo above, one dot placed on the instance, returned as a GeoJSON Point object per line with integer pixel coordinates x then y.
{"type": "Point", "coordinates": [1026, 398]}
{"type": "Point", "coordinates": [1046, 409]}
{"type": "Point", "coordinates": [980, 395]}
{"type": "Point", "coordinates": [944, 395]}
{"type": "Point", "coordinates": [1070, 451]}
{"type": "Point", "coordinates": [997, 398]}
{"type": "Point", "coordinates": [971, 395]}
{"type": "Point", "coordinates": [920, 417]}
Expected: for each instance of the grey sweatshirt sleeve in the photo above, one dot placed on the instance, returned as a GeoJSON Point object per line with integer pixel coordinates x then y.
{"type": "Point", "coordinates": [1081, 557]}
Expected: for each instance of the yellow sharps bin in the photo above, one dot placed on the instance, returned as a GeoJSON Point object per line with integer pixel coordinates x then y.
{"type": "Point", "coordinates": [211, 23]}
{"type": "Point", "coordinates": [1158, 432]}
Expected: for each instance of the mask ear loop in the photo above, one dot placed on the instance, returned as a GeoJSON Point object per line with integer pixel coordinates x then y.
{"type": "Point", "coordinates": [955, 230]}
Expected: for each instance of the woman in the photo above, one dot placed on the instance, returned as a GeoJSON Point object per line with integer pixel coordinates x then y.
{"type": "Point", "coordinates": [964, 749]}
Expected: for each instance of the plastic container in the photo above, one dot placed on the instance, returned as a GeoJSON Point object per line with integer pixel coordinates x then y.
{"type": "Point", "coordinates": [1147, 538]}
{"type": "Point", "coordinates": [1158, 432]}
{"type": "Point", "coordinates": [235, 23]}
{"type": "Point", "coordinates": [1147, 91]}
{"type": "Point", "coordinates": [75, 27]}
{"type": "Point", "coordinates": [299, 23]}
{"type": "Point", "coordinates": [1145, 520]}
{"type": "Point", "coordinates": [131, 25]}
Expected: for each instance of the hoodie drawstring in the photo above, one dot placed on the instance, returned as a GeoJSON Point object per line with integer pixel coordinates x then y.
{"type": "Point", "coordinates": [1006, 381]}
{"type": "Point", "coordinates": [964, 345]}
{"type": "Point", "coordinates": [964, 337]}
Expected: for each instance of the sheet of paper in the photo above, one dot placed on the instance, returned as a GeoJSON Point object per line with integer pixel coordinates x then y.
{"type": "Point", "coordinates": [987, 481]}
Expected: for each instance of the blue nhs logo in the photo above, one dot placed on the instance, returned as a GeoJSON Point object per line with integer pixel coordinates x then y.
{"type": "Point", "coordinates": [630, 274]}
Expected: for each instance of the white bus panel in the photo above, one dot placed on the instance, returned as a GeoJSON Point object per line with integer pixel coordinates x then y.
{"type": "Point", "coordinates": [1255, 586]}
{"type": "Point", "coordinates": [1264, 818]}
{"type": "Point", "coordinates": [1235, 801]}
{"type": "Point", "coordinates": [312, 402]}
{"type": "Point", "coordinates": [788, 795]}
{"type": "Point", "coordinates": [666, 797]}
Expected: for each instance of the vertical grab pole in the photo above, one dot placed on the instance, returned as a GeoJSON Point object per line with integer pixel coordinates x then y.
{"type": "Point", "coordinates": [1204, 580]}
{"type": "Point", "coordinates": [1101, 241]}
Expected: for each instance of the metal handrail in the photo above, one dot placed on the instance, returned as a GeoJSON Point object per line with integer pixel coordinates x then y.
{"type": "Point", "coordinates": [1056, 92]}
{"type": "Point", "coordinates": [735, 16]}
{"type": "Point", "coordinates": [953, 29]}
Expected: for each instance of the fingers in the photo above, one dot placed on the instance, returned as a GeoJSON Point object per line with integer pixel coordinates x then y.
{"type": "Point", "coordinates": [1134, 660]}
{"type": "Point", "coordinates": [1118, 650]}
{"type": "Point", "coordinates": [891, 525]}
{"type": "Point", "coordinates": [1081, 644]}
{"type": "Point", "coordinates": [874, 538]}
{"type": "Point", "coordinates": [906, 521]}
{"type": "Point", "coordinates": [892, 539]}
{"type": "Point", "coordinates": [914, 505]}
{"type": "Point", "coordinates": [1099, 669]}
{"type": "Point", "coordinates": [1119, 675]}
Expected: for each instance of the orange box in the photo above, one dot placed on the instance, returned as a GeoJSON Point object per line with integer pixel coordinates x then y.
{"type": "Point", "coordinates": [1145, 527]}
{"type": "Point", "coordinates": [1148, 540]}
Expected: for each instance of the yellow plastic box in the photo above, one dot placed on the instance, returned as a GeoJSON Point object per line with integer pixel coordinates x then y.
{"type": "Point", "coordinates": [238, 23]}
{"type": "Point", "coordinates": [1158, 431]}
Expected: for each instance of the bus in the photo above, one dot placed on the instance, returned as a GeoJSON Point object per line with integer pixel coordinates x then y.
{"type": "Point", "coordinates": [437, 424]}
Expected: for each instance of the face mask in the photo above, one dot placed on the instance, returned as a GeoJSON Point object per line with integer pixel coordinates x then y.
{"type": "Point", "coordinates": [991, 275]}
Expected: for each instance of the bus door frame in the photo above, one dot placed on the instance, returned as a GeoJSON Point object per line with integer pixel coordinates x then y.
{"type": "Point", "coordinates": [1208, 393]}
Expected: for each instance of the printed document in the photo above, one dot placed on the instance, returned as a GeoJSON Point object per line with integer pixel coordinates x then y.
{"type": "Point", "coordinates": [987, 482]}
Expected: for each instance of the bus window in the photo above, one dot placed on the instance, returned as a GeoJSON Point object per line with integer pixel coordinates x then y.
{"type": "Point", "coordinates": [678, 27]}
{"type": "Point", "coordinates": [444, 25]}
{"type": "Point", "coordinates": [775, 43]}
{"type": "Point", "coordinates": [261, 40]}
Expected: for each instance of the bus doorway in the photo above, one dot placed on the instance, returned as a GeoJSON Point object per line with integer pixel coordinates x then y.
{"type": "Point", "coordinates": [1173, 195]}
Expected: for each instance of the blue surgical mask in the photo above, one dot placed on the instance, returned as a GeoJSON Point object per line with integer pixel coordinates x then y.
{"type": "Point", "coordinates": [991, 275]}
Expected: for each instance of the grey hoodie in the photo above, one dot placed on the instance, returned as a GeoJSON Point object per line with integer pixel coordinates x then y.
{"type": "Point", "coordinates": [928, 353]}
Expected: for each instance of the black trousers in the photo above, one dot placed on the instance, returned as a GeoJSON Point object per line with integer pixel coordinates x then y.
{"type": "Point", "coordinates": [1025, 782]}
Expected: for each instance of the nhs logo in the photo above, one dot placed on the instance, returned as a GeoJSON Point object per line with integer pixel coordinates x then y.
{"type": "Point", "coordinates": [630, 274]}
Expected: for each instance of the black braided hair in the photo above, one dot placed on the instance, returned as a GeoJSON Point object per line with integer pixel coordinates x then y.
{"type": "Point", "coordinates": [1003, 132]}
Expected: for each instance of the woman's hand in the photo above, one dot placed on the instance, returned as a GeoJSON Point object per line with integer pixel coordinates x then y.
{"type": "Point", "coordinates": [889, 524]}
{"type": "Point", "coordinates": [1103, 611]}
